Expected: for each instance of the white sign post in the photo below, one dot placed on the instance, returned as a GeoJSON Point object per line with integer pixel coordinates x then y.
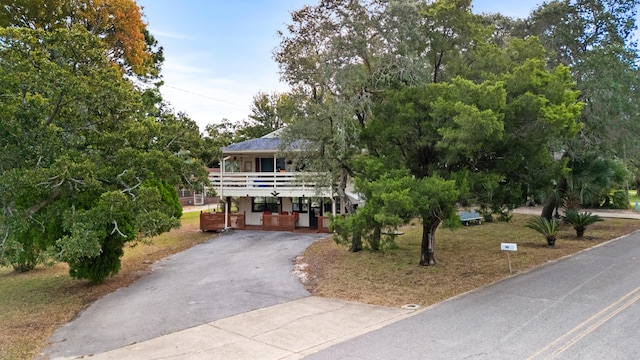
{"type": "Point", "coordinates": [509, 247]}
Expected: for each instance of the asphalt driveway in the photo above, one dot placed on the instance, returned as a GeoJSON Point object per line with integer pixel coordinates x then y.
{"type": "Point", "coordinates": [228, 275]}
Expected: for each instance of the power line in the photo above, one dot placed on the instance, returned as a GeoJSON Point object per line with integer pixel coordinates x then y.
{"type": "Point", "coordinates": [204, 96]}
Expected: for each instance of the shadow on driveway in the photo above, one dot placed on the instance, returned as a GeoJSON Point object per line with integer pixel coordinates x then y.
{"type": "Point", "coordinates": [228, 275]}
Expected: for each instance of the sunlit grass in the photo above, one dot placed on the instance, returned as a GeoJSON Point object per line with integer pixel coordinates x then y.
{"type": "Point", "coordinates": [468, 257]}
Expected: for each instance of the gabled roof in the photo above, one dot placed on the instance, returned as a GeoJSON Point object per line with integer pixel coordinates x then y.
{"type": "Point", "coordinates": [268, 143]}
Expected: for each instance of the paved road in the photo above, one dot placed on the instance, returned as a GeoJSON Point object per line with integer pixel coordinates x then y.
{"type": "Point", "coordinates": [583, 307]}
{"type": "Point", "coordinates": [605, 213]}
{"type": "Point", "coordinates": [229, 275]}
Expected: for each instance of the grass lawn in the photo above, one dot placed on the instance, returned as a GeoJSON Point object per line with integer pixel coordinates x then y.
{"type": "Point", "coordinates": [467, 258]}
{"type": "Point", "coordinates": [34, 304]}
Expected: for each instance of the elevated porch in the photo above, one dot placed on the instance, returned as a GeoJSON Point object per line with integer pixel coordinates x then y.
{"type": "Point", "coordinates": [281, 184]}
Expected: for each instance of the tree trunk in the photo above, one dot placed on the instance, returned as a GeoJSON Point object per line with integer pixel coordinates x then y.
{"type": "Point", "coordinates": [554, 200]}
{"type": "Point", "coordinates": [549, 205]}
{"type": "Point", "coordinates": [341, 190]}
{"type": "Point", "coordinates": [375, 238]}
{"type": "Point", "coordinates": [427, 254]}
{"type": "Point", "coordinates": [356, 242]}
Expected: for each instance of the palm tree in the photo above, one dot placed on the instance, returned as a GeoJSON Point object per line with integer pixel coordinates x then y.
{"type": "Point", "coordinates": [546, 227]}
{"type": "Point", "coordinates": [580, 220]}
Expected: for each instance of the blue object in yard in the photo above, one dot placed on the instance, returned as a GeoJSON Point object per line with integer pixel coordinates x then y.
{"type": "Point", "coordinates": [636, 208]}
{"type": "Point", "coordinates": [470, 217]}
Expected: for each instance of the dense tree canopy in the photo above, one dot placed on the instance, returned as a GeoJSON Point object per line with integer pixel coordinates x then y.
{"type": "Point", "coordinates": [432, 89]}
{"type": "Point", "coordinates": [117, 23]}
{"type": "Point", "coordinates": [88, 161]}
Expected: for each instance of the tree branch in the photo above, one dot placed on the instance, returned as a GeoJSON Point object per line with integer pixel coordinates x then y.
{"type": "Point", "coordinates": [115, 229]}
{"type": "Point", "coordinates": [35, 208]}
{"type": "Point", "coordinates": [4, 239]}
{"type": "Point", "coordinates": [56, 109]}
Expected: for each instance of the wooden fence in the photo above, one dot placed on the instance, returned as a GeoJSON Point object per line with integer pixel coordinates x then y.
{"type": "Point", "coordinates": [278, 222]}
{"type": "Point", "coordinates": [210, 221]}
{"type": "Point", "coordinates": [238, 221]}
{"type": "Point", "coordinates": [323, 224]}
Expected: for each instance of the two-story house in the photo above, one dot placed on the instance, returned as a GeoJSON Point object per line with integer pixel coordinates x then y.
{"type": "Point", "coordinates": [267, 189]}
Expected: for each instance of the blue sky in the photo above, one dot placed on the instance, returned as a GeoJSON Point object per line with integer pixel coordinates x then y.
{"type": "Point", "coordinates": [218, 53]}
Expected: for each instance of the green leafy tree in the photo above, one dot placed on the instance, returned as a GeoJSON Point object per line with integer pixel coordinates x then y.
{"type": "Point", "coordinates": [335, 56]}
{"type": "Point", "coordinates": [117, 23]}
{"type": "Point", "coordinates": [215, 137]}
{"type": "Point", "coordinates": [269, 112]}
{"type": "Point", "coordinates": [495, 137]}
{"type": "Point", "coordinates": [593, 178]}
{"type": "Point", "coordinates": [450, 28]}
{"type": "Point", "coordinates": [393, 198]}
{"type": "Point", "coordinates": [436, 130]}
{"type": "Point", "coordinates": [84, 168]}
{"type": "Point", "coordinates": [595, 40]}
{"type": "Point", "coordinates": [426, 87]}
{"type": "Point", "coordinates": [388, 204]}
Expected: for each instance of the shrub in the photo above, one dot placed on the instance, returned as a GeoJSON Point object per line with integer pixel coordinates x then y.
{"type": "Point", "coordinates": [620, 200]}
{"type": "Point", "coordinates": [580, 220]}
{"type": "Point", "coordinates": [548, 228]}
{"type": "Point", "coordinates": [571, 200]}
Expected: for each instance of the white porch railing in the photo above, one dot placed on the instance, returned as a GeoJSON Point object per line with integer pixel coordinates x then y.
{"type": "Point", "coordinates": [285, 184]}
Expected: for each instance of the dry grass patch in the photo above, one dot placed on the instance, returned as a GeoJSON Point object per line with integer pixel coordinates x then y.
{"type": "Point", "coordinates": [468, 257]}
{"type": "Point", "coordinates": [34, 304]}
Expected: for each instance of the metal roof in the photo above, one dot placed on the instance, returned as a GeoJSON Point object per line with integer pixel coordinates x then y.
{"type": "Point", "coordinates": [268, 143]}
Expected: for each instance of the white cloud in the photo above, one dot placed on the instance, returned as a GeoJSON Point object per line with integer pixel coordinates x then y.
{"type": "Point", "coordinates": [207, 98]}
{"type": "Point", "coordinates": [167, 34]}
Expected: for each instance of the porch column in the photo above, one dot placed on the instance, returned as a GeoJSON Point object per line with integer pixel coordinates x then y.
{"type": "Point", "coordinates": [275, 170]}
{"type": "Point", "coordinates": [226, 212]}
{"type": "Point", "coordinates": [333, 206]}
{"type": "Point", "coordinates": [224, 161]}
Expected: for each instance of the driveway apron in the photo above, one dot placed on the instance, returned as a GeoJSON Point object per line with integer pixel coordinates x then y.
{"type": "Point", "coordinates": [228, 275]}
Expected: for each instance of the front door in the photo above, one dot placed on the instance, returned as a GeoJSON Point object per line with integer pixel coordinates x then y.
{"type": "Point", "coordinates": [314, 212]}
{"type": "Point", "coordinates": [266, 165]}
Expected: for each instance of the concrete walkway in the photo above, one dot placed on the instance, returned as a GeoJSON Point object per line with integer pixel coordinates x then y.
{"type": "Point", "coordinates": [233, 297]}
{"type": "Point", "coordinates": [285, 331]}
{"type": "Point", "coordinates": [291, 329]}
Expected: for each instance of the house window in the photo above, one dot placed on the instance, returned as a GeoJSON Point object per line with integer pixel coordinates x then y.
{"type": "Point", "coordinates": [262, 203]}
{"type": "Point", "coordinates": [300, 205]}
{"type": "Point", "coordinates": [328, 206]}
{"type": "Point", "coordinates": [185, 193]}
{"type": "Point", "coordinates": [232, 165]}
{"type": "Point", "coordinates": [266, 164]}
